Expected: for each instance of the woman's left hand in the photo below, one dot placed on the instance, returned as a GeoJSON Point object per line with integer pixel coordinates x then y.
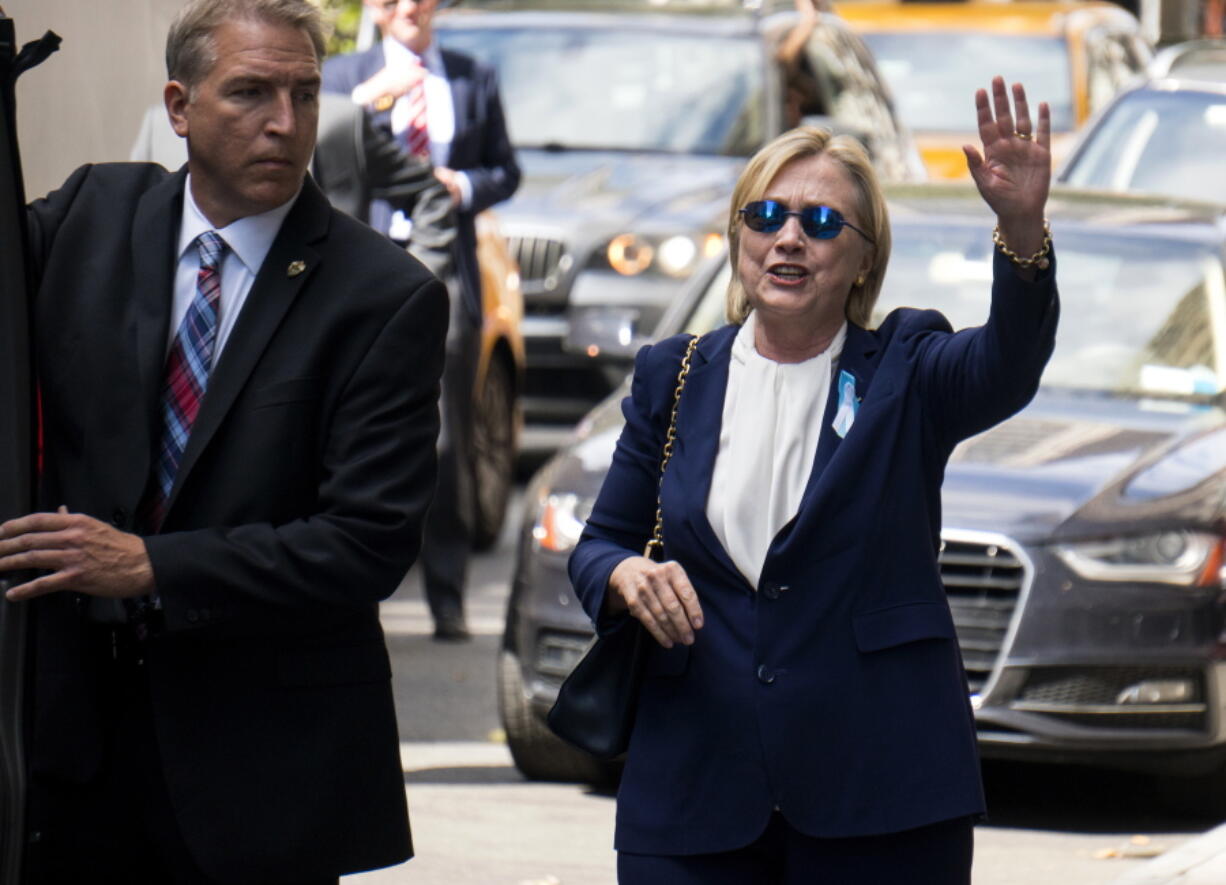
{"type": "Point", "coordinates": [1014, 172]}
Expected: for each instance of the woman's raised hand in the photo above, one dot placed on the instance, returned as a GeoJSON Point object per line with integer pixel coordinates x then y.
{"type": "Point", "coordinates": [659, 595]}
{"type": "Point", "coordinates": [1014, 171]}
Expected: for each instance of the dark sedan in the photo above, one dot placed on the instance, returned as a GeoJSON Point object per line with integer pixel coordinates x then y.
{"type": "Point", "coordinates": [1083, 539]}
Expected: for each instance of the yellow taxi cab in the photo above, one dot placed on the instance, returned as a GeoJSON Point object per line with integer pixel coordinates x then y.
{"type": "Point", "coordinates": [1073, 55]}
{"type": "Point", "coordinates": [497, 413]}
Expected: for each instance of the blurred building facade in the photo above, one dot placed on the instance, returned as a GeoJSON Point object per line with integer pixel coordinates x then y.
{"type": "Point", "coordinates": [84, 104]}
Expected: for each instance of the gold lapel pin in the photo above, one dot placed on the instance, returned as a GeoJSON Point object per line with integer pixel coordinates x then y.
{"type": "Point", "coordinates": [384, 103]}
{"type": "Point", "coordinates": [295, 268]}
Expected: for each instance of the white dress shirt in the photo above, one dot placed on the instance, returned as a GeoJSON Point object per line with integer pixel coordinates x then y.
{"type": "Point", "coordinates": [248, 239]}
{"type": "Point", "coordinates": [767, 442]}
{"type": "Point", "coordinates": [440, 117]}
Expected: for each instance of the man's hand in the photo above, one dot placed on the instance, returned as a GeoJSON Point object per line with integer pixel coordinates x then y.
{"type": "Point", "coordinates": [451, 182]}
{"type": "Point", "coordinates": [83, 554]}
{"type": "Point", "coordinates": [387, 85]}
{"type": "Point", "coordinates": [660, 595]}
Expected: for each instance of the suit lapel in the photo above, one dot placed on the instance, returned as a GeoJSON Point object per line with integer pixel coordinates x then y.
{"type": "Point", "coordinates": [271, 295]}
{"type": "Point", "coordinates": [459, 81]}
{"type": "Point", "coordinates": [372, 62]}
{"type": "Point", "coordinates": [859, 348]}
{"type": "Point", "coordinates": [699, 420]}
{"type": "Point", "coordinates": [155, 231]}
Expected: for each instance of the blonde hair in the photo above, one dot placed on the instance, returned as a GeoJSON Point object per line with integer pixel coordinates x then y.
{"type": "Point", "coordinates": [798, 144]}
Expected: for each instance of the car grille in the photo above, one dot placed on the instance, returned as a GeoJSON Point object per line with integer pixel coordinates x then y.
{"type": "Point", "coordinates": [539, 258]}
{"type": "Point", "coordinates": [983, 581]}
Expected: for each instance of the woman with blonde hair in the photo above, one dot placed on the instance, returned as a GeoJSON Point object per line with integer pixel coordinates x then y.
{"type": "Point", "coordinates": [804, 713]}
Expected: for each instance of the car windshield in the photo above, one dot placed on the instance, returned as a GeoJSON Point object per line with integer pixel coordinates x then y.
{"type": "Point", "coordinates": [1139, 315]}
{"type": "Point", "coordinates": [614, 89]}
{"type": "Point", "coordinates": [1158, 142]}
{"type": "Point", "coordinates": [931, 72]}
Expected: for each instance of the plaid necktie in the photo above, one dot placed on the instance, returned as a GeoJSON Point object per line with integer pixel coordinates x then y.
{"type": "Point", "coordinates": [417, 135]}
{"type": "Point", "coordinates": [187, 375]}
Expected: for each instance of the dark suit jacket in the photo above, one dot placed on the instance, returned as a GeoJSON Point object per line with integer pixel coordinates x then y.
{"type": "Point", "coordinates": [835, 692]}
{"type": "Point", "coordinates": [481, 147]}
{"type": "Point", "coordinates": [298, 506]}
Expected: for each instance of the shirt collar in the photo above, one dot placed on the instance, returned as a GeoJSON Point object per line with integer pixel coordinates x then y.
{"type": "Point", "coordinates": [249, 238]}
{"type": "Point", "coordinates": [743, 349]}
{"type": "Point", "coordinates": [396, 53]}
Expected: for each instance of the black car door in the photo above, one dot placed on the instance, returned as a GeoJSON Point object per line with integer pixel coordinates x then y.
{"type": "Point", "coordinates": [17, 436]}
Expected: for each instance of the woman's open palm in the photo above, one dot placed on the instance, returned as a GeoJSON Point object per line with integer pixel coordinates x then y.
{"type": "Point", "coordinates": [1014, 171]}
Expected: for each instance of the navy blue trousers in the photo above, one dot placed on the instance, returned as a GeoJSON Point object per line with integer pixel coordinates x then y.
{"type": "Point", "coordinates": [939, 854]}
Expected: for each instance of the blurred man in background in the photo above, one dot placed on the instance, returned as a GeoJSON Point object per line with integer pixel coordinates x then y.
{"type": "Point", "coordinates": [446, 106]}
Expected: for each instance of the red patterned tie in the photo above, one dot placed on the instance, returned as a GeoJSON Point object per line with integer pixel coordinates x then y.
{"type": "Point", "coordinates": [417, 135]}
{"type": "Point", "coordinates": [187, 375]}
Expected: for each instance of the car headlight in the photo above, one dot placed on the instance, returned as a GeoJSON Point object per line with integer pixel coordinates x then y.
{"type": "Point", "coordinates": [630, 255]}
{"type": "Point", "coordinates": [560, 521]}
{"type": "Point", "coordinates": [1175, 557]}
{"type": "Point", "coordinates": [675, 256]}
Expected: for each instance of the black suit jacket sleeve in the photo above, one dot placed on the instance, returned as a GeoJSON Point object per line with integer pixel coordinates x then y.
{"type": "Point", "coordinates": [357, 162]}
{"type": "Point", "coordinates": [409, 185]}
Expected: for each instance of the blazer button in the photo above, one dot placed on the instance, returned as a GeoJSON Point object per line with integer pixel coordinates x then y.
{"type": "Point", "coordinates": [765, 674]}
{"type": "Point", "coordinates": [119, 517]}
{"type": "Point", "coordinates": [192, 616]}
{"type": "Point", "coordinates": [771, 590]}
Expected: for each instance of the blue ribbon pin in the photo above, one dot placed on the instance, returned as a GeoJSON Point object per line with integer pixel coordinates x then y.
{"type": "Point", "coordinates": [845, 416]}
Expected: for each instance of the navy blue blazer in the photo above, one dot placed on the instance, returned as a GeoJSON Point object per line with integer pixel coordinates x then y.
{"type": "Point", "coordinates": [836, 692]}
{"type": "Point", "coordinates": [480, 148]}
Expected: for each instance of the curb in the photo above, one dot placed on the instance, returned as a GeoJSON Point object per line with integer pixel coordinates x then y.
{"type": "Point", "coordinates": [1199, 861]}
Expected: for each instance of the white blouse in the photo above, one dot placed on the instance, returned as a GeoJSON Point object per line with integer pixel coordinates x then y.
{"type": "Point", "coordinates": [767, 442]}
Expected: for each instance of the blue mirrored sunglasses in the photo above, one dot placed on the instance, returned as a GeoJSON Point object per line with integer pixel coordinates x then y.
{"type": "Point", "coordinates": [819, 222]}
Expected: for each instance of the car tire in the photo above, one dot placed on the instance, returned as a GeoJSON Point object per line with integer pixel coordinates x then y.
{"type": "Point", "coordinates": [493, 441]}
{"type": "Point", "coordinates": [538, 753]}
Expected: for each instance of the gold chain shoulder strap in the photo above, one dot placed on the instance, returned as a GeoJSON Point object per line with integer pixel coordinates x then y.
{"type": "Point", "coordinates": [655, 547]}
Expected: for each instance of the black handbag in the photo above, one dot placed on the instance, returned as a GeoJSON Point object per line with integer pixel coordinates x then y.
{"type": "Point", "coordinates": [597, 702]}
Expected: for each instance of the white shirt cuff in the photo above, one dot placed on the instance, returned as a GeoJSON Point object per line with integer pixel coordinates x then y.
{"type": "Point", "coordinates": [466, 190]}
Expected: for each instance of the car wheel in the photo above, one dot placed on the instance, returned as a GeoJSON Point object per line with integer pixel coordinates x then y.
{"type": "Point", "coordinates": [539, 754]}
{"type": "Point", "coordinates": [493, 453]}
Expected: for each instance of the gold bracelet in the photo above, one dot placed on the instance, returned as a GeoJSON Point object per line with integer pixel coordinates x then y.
{"type": "Point", "coordinates": [1038, 259]}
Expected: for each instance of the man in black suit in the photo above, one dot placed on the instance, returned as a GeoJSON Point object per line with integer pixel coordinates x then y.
{"type": "Point", "coordinates": [239, 393]}
{"type": "Point", "coordinates": [447, 105]}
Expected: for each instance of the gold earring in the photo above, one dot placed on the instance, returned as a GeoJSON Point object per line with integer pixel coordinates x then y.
{"type": "Point", "coordinates": [860, 280]}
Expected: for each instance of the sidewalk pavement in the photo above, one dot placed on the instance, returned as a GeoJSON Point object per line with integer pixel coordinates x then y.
{"type": "Point", "coordinates": [1199, 861]}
